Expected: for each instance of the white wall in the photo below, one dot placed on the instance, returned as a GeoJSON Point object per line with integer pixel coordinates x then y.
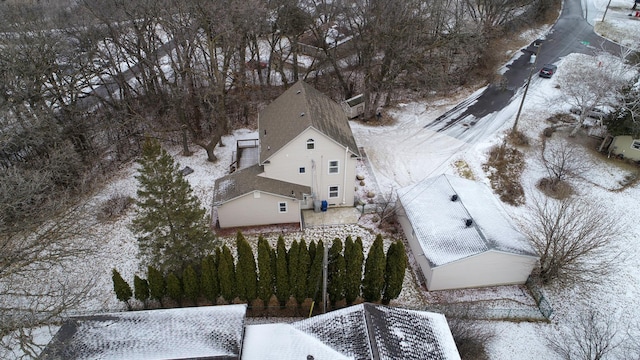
{"type": "Point", "coordinates": [286, 163]}
{"type": "Point", "coordinates": [490, 268]}
{"type": "Point", "coordinates": [263, 210]}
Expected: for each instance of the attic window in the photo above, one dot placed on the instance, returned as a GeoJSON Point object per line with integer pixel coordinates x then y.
{"type": "Point", "coordinates": [311, 144]}
{"type": "Point", "coordinates": [635, 144]}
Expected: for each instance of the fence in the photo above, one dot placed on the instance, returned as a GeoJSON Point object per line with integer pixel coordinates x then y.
{"type": "Point", "coordinates": [538, 295]}
{"type": "Point", "coordinates": [484, 311]}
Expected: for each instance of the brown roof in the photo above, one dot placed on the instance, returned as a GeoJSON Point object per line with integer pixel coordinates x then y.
{"type": "Point", "coordinates": [247, 180]}
{"type": "Point", "coordinates": [297, 109]}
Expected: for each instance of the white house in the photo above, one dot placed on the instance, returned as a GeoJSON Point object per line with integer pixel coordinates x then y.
{"type": "Point", "coordinates": [461, 235]}
{"type": "Point", "coordinates": [626, 146]}
{"type": "Point", "coordinates": [307, 154]}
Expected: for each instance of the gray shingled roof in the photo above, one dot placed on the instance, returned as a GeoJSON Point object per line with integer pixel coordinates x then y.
{"type": "Point", "coordinates": [246, 180]}
{"type": "Point", "coordinates": [283, 119]}
{"type": "Point", "coordinates": [369, 331]}
{"type": "Point", "coordinates": [439, 222]}
{"type": "Point", "coordinates": [211, 332]}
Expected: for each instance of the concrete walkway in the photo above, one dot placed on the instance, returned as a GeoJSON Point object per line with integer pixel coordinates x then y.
{"type": "Point", "coordinates": [333, 216]}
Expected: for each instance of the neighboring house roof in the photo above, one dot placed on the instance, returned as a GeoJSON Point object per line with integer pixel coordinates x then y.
{"type": "Point", "coordinates": [247, 180]}
{"type": "Point", "coordinates": [369, 331]}
{"type": "Point", "coordinates": [211, 332]}
{"type": "Point", "coordinates": [297, 109]}
{"type": "Point", "coordinates": [439, 222]}
{"type": "Point", "coordinates": [283, 342]}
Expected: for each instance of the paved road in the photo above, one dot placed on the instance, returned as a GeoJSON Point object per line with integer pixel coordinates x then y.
{"type": "Point", "coordinates": [570, 34]}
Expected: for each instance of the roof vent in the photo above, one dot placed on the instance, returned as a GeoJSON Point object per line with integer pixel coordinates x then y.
{"type": "Point", "coordinates": [298, 92]}
{"type": "Point", "coordinates": [301, 114]}
{"type": "Point", "coordinates": [454, 197]}
{"type": "Point", "coordinates": [310, 357]}
{"type": "Point", "coordinates": [468, 222]}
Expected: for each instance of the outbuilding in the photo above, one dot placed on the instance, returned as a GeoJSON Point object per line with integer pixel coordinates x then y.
{"type": "Point", "coordinates": [461, 235]}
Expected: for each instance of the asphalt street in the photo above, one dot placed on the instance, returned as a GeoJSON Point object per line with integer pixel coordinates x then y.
{"type": "Point", "coordinates": [570, 34]}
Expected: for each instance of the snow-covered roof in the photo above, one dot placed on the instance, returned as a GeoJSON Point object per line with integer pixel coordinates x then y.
{"type": "Point", "coordinates": [212, 332]}
{"type": "Point", "coordinates": [440, 224]}
{"type": "Point", "coordinates": [282, 342]}
{"type": "Point", "coordinates": [369, 331]}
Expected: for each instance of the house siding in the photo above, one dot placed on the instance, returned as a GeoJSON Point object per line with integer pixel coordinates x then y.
{"type": "Point", "coordinates": [286, 163]}
{"type": "Point", "coordinates": [257, 208]}
{"type": "Point", "coordinates": [621, 145]}
{"type": "Point", "coordinates": [489, 268]}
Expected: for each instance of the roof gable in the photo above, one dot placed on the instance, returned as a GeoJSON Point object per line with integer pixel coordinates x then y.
{"type": "Point", "coordinates": [369, 331]}
{"type": "Point", "coordinates": [440, 223]}
{"type": "Point", "coordinates": [297, 109]}
{"type": "Point", "coordinates": [247, 180]}
{"type": "Point", "coordinates": [211, 332]}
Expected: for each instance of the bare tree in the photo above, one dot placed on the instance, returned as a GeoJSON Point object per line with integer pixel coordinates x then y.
{"type": "Point", "coordinates": [575, 239]}
{"type": "Point", "coordinates": [592, 336]}
{"type": "Point", "coordinates": [39, 276]}
{"type": "Point", "coordinates": [596, 82]}
{"type": "Point", "coordinates": [563, 160]}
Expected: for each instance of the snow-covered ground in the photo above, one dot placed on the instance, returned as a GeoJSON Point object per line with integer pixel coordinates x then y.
{"type": "Point", "coordinates": [402, 154]}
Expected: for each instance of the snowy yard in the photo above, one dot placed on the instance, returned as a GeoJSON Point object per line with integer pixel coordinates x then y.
{"type": "Point", "coordinates": [402, 154]}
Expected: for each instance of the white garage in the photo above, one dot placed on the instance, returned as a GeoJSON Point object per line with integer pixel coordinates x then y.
{"type": "Point", "coordinates": [461, 235]}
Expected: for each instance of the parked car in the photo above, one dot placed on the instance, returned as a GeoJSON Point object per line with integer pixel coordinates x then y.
{"type": "Point", "coordinates": [594, 113]}
{"type": "Point", "coordinates": [548, 70]}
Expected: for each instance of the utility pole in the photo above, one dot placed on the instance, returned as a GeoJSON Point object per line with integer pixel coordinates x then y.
{"type": "Point", "coordinates": [605, 10]}
{"type": "Point", "coordinates": [325, 273]}
{"type": "Point", "coordinates": [526, 87]}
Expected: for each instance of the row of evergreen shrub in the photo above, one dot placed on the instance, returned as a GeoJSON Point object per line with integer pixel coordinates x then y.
{"type": "Point", "coordinates": [295, 272]}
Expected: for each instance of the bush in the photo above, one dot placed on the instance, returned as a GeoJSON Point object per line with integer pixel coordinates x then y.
{"type": "Point", "coordinates": [505, 166]}
{"type": "Point", "coordinates": [114, 207]}
{"type": "Point", "coordinates": [470, 338]}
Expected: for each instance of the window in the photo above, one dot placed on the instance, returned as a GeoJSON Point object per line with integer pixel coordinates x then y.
{"type": "Point", "coordinates": [282, 207]}
{"type": "Point", "coordinates": [333, 166]}
{"type": "Point", "coordinates": [635, 144]}
{"type": "Point", "coordinates": [311, 144]}
{"type": "Point", "coordinates": [333, 191]}
{"type": "Point", "coordinates": [302, 170]}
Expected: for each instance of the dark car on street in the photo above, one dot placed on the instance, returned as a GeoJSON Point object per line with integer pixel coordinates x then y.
{"type": "Point", "coordinates": [548, 70]}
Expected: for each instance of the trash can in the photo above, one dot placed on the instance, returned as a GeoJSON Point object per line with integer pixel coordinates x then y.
{"type": "Point", "coordinates": [324, 205]}
{"type": "Point", "coordinates": [317, 205]}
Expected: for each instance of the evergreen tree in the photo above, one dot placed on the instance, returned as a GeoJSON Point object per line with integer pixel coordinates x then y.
{"type": "Point", "coordinates": [122, 288]}
{"type": "Point", "coordinates": [336, 272]}
{"type": "Point", "coordinates": [266, 279]}
{"type": "Point", "coordinates": [246, 274]}
{"type": "Point", "coordinates": [209, 278]}
{"type": "Point", "coordinates": [157, 285]}
{"type": "Point", "coordinates": [190, 284]}
{"type": "Point", "coordinates": [141, 289]}
{"type": "Point", "coordinates": [312, 251]}
{"type": "Point", "coordinates": [373, 282]}
{"type": "Point", "coordinates": [314, 283]}
{"type": "Point", "coordinates": [226, 274]}
{"type": "Point", "coordinates": [354, 258]}
{"type": "Point", "coordinates": [303, 271]}
{"type": "Point", "coordinates": [170, 223]}
{"type": "Point", "coordinates": [394, 272]}
{"type": "Point", "coordinates": [292, 261]}
{"type": "Point", "coordinates": [282, 273]}
{"type": "Point", "coordinates": [174, 288]}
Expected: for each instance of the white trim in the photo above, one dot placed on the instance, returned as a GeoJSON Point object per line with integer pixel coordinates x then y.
{"type": "Point", "coordinates": [337, 192]}
{"type": "Point", "coordinates": [332, 167]}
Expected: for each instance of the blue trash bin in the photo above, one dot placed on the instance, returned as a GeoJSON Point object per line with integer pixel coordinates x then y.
{"type": "Point", "coordinates": [324, 205]}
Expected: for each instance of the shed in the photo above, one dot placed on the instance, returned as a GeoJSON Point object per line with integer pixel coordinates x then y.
{"type": "Point", "coordinates": [626, 146]}
{"type": "Point", "coordinates": [461, 235]}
